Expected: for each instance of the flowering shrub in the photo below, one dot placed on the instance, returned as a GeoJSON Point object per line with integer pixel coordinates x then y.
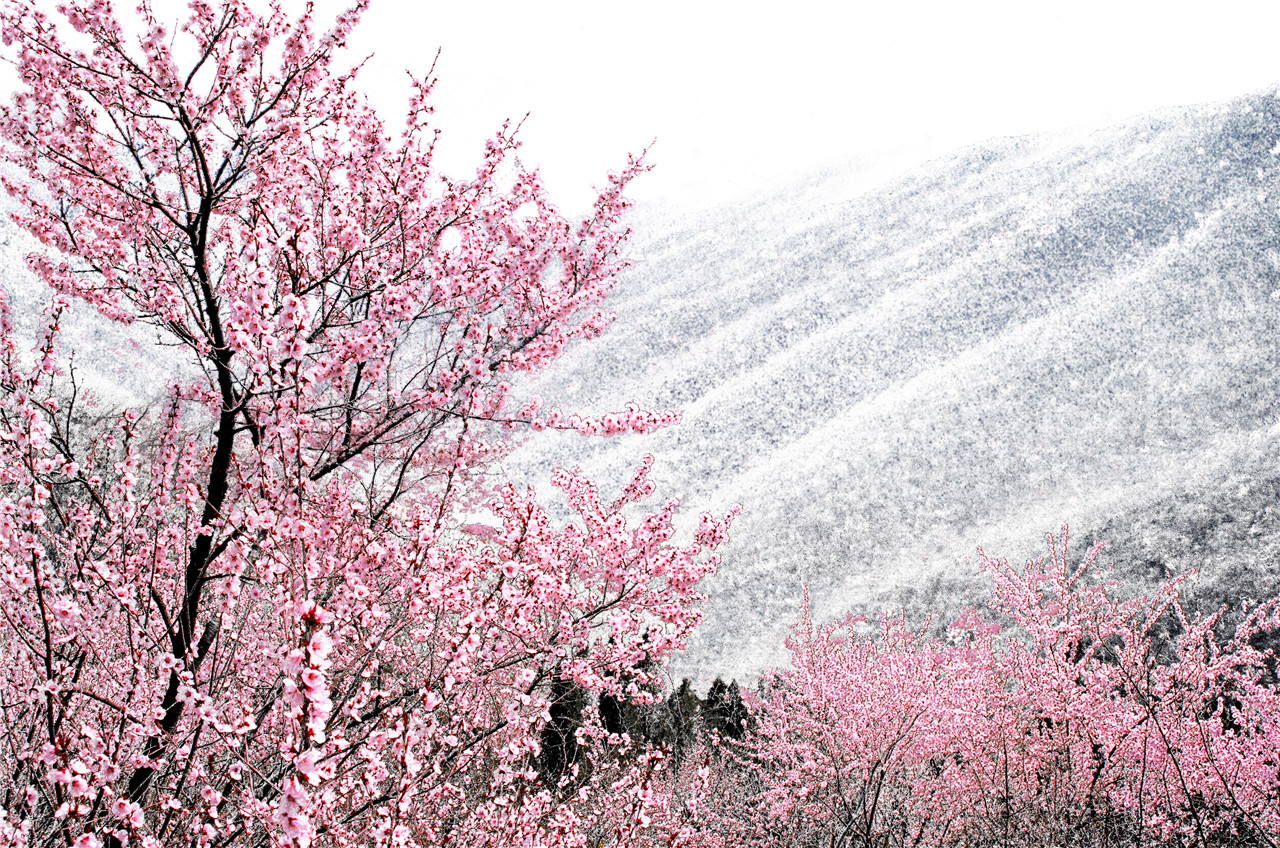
{"type": "Point", "coordinates": [1087, 720]}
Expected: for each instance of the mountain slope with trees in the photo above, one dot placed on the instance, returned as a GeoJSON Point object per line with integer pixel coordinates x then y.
{"type": "Point", "coordinates": [1078, 328]}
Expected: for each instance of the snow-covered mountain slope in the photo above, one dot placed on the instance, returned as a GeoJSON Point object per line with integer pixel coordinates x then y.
{"type": "Point", "coordinates": [1033, 331]}
{"type": "Point", "coordinates": [1077, 328]}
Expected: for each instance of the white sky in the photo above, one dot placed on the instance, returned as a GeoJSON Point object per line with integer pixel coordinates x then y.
{"type": "Point", "coordinates": [741, 95]}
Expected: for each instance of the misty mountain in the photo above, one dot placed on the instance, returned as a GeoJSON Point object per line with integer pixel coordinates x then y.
{"type": "Point", "coordinates": [1071, 328]}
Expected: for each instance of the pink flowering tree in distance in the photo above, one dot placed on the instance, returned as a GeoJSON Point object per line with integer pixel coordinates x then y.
{"type": "Point", "coordinates": [1086, 719]}
{"type": "Point", "coordinates": [251, 615]}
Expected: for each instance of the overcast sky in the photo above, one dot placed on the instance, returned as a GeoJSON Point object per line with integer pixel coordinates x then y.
{"type": "Point", "coordinates": [741, 95]}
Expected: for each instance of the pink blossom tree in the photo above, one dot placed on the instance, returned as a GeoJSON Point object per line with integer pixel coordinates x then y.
{"type": "Point", "coordinates": [250, 615]}
{"type": "Point", "coordinates": [1162, 736]}
{"type": "Point", "coordinates": [1081, 721]}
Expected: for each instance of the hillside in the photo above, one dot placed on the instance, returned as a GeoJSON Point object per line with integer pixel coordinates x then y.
{"type": "Point", "coordinates": [1079, 328]}
{"type": "Point", "coordinates": [887, 374]}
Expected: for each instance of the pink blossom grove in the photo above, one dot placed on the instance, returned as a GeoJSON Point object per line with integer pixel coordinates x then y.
{"type": "Point", "coordinates": [1081, 718]}
{"type": "Point", "coordinates": [291, 602]}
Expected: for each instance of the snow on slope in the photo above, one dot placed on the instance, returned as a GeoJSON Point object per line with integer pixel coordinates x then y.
{"type": "Point", "coordinates": [1028, 332]}
{"type": "Point", "coordinates": [1077, 328]}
